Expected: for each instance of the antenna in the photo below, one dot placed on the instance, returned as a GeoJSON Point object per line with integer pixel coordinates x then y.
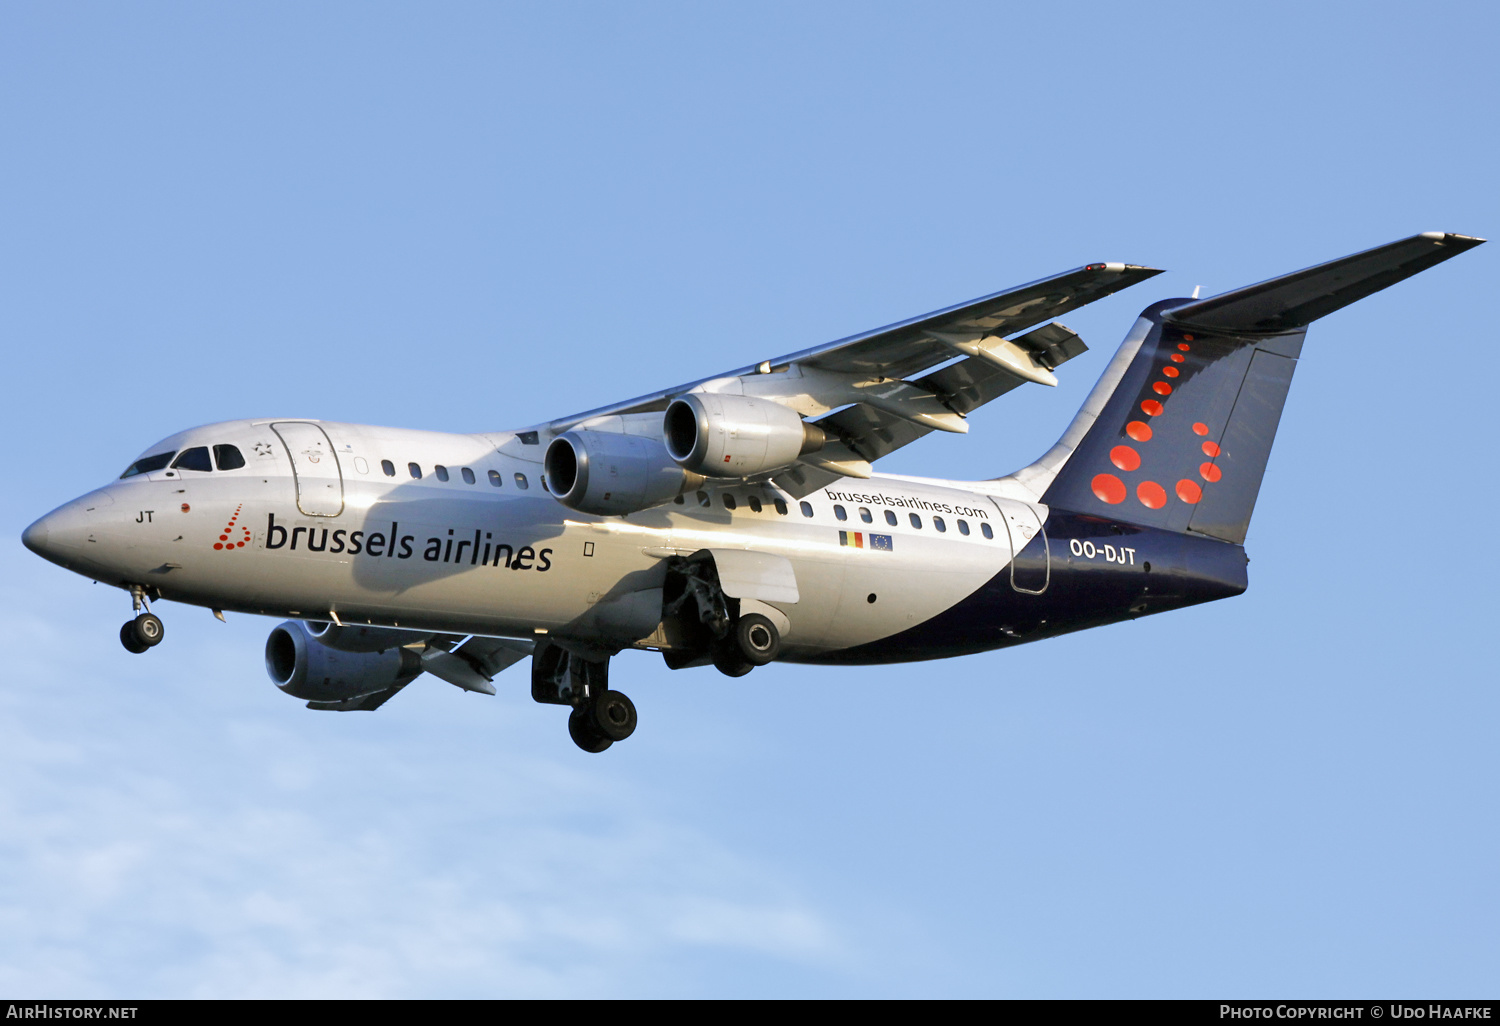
{"type": "Point", "coordinates": [1197, 289]}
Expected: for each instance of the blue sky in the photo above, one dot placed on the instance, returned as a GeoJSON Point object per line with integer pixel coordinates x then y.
{"type": "Point", "coordinates": [480, 216]}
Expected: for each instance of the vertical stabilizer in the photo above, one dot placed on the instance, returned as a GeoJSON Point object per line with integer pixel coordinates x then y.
{"type": "Point", "coordinates": [1177, 433]}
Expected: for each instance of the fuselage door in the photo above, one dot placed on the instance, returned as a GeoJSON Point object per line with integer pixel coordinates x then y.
{"type": "Point", "coordinates": [315, 466]}
{"type": "Point", "coordinates": [1030, 564]}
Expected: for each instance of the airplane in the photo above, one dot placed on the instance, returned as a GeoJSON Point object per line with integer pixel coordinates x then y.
{"type": "Point", "coordinates": [736, 520]}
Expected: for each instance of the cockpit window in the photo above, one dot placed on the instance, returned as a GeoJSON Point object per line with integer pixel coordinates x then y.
{"type": "Point", "coordinates": [228, 457]}
{"type": "Point", "coordinates": [195, 458]}
{"type": "Point", "coordinates": [147, 464]}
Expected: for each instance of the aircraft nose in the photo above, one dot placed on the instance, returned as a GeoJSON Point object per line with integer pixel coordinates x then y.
{"type": "Point", "coordinates": [35, 537]}
{"type": "Point", "coordinates": [63, 535]}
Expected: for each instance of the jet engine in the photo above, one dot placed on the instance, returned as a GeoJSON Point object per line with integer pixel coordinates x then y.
{"type": "Point", "coordinates": [353, 637]}
{"type": "Point", "coordinates": [735, 435]}
{"type": "Point", "coordinates": [305, 669]}
{"type": "Point", "coordinates": [611, 474]}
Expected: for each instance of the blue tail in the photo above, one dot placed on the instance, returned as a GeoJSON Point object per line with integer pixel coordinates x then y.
{"type": "Point", "coordinates": [1177, 432]}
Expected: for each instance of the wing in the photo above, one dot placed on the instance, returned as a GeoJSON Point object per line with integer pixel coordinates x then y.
{"type": "Point", "coordinates": [875, 392]}
{"type": "Point", "coordinates": [470, 665]}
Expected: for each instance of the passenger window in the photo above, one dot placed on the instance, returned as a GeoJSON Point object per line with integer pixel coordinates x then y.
{"type": "Point", "coordinates": [195, 458]}
{"type": "Point", "coordinates": [890, 517]}
{"type": "Point", "coordinates": [441, 472]}
{"type": "Point", "coordinates": [148, 464]}
{"type": "Point", "coordinates": [937, 522]}
{"type": "Point", "coordinates": [780, 507]}
{"type": "Point", "coordinates": [838, 511]}
{"type": "Point", "coordinates": [754, 504]}
{"type": "Point", "coordinates": [521, 481]}
{"type": "Point", "coordinates": [864, 514]}
{"type": "Point", "coordinates": [496, 479]}
{"type": "Point", "coordinates": [984, 529]}
{"type": "Point", "coordinates": [806, 508]}
{"type": "Point", "coordinates": [468, 475]}
{"type": "Point", "coordinates": [228, 457]}
{"type": "Point", "coordinates": [388, 468]}
{"type": "Point", "coordinates": [729, 502]}
{"type": "Point", "coordinates": [916, 521]}
{"type": "Point", "coordinates": [963, 528]}
{"type": "Point", "coordinates": [416, 471]}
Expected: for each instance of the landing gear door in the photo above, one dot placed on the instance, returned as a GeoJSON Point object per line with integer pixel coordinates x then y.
{"type": "Point", "coordinates": [315, 466]}
{"type": "Point", "coordinates": [1030, 563]}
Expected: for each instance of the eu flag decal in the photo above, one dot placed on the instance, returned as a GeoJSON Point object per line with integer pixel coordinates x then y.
{"type": "Point", "coordinates": [860, 540]}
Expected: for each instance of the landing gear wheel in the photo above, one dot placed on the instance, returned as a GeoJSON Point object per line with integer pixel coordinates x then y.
{"type": "Point", "coordinates": [757, 639]}
{"type": "Point", "coordinates": [614, 715]}
{"type": "Point", "coordinates": [583, 732]}
{"type": "Point", "coordinates": [731, 662]}
{"type": "Point", "coordinates": [129, 640]}
{"type": "Point", "coordinates": [149, 630]}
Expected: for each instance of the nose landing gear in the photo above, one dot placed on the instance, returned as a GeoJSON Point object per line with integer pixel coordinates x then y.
{"type": "Point", "coordinates": [146, 630]}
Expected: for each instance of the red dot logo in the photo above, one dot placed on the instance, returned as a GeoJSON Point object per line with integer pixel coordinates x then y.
{"type": "Point", "coordinates": [1139, 430]}
{"type": "Point", "coordinates": [1210, 448]}
{"type": "Point", "coordinates": [224, 544]}
{"type": "Point", "coordinates": [1162, 388]}
{"type": "Point", "coordinates": [1183, 345]}
{"type": "Point", "coordinates": [1200, 428]}
{"type": "Point", "coordinates": [1170, 372]}
{"type": "Point", "coordinates": [1210, 472]}
{"type": "Point", "coordinates": [1151, 408]}
{"type": "Point", "coordinates": [1178, 358]}
{"type": "Point", "coordinates": [1124, 457]}
{"type": "Point", "coordinates": [1109, 489]}
{"type": "Point", "coordinates": [1151, 494]}
{"type": "Point", "coordinates": [1188, 491]}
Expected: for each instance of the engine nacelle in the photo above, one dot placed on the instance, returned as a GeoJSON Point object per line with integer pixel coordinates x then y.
{"type": "Point", "coordinates": [305, 669]}
{"type": "Point", "coordinates": [735, 435]}
{"type": "Point", "coordinates": [611, 474]}
{"type": "Point", "coordinates": [352, 637]}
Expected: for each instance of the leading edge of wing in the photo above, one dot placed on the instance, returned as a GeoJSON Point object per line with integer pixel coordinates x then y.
{"type": "Point", "coordinates": [1010, 310]}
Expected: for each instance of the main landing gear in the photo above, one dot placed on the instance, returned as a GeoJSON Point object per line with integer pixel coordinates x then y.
{"type": "Point", "coordinates": [706, 626]}
{"type": "Point", "coordinates": [600, 717]}
{"type": "Point", "coordinates": [146, 630]}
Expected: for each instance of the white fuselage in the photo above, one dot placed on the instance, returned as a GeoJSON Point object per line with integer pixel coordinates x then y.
{"type": "Point", "coordinates": [355, 536]}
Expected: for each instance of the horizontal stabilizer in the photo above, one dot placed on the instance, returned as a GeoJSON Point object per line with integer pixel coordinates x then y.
{"type": "Point", "coordinates": [1296, 300]}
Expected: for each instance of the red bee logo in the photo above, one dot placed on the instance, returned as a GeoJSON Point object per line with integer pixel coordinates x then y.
{"type": "Point", "coordinates": [229, 530]}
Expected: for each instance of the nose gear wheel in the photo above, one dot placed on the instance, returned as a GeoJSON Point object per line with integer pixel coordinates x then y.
{"type": "Point", "coordinates": [145, 631]}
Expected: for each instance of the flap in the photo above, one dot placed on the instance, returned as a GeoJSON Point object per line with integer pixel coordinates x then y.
{"type": "Point", "coordinates": [472, 665]}
{"type": "Point", "coordinates": [755, 575]}
{"type": "Point", "coordinates": [363, 703]}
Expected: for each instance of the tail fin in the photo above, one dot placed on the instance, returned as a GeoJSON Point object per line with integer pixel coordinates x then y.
{"type": "Point", "coordinates": [1177, 432]}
